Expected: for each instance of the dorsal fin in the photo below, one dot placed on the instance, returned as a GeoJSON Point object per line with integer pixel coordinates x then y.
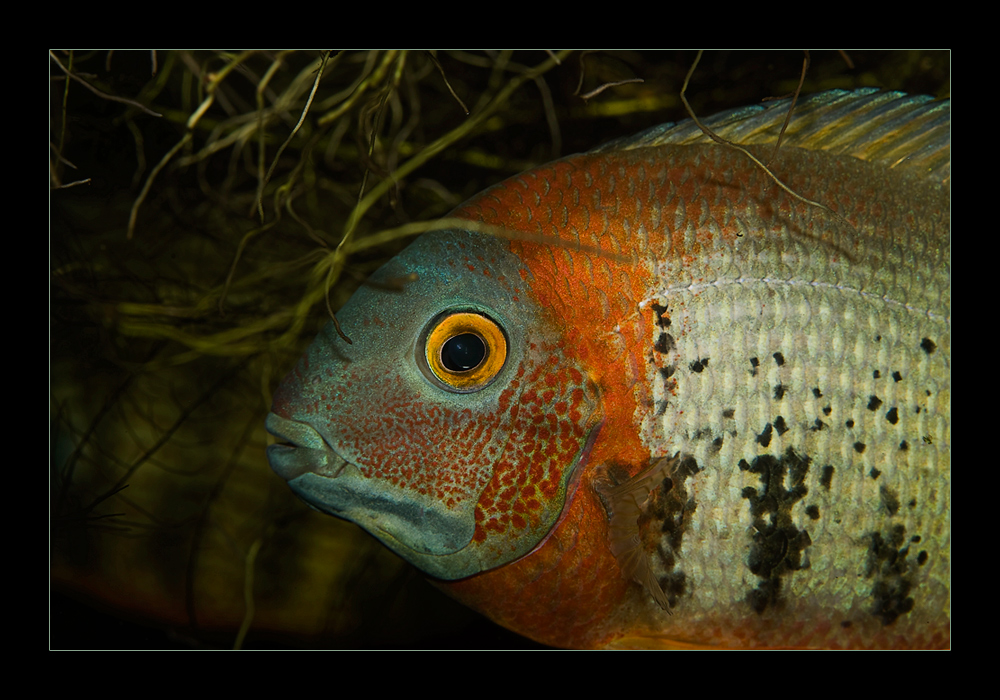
{"type": "Point", "coordinates": [910, 133]}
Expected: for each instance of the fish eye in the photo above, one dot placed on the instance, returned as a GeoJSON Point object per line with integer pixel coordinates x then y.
{"type": "Point", "coordinates": [464, 350]}
{"type": "Point", "coordinates": [460, 353]}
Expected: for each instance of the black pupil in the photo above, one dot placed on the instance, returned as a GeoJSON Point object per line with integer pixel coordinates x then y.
{"type": "Point", "coordinates": [463, 352]}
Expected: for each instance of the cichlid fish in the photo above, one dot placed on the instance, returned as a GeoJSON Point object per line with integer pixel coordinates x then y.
{"type": "Point", "coordinates": [673, 403]}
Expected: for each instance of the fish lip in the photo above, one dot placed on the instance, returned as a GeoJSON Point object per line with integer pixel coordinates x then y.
{"type": "Point", "coordinates": [298, 433]}
{"type": "Point", "coordinates": [307, 451]}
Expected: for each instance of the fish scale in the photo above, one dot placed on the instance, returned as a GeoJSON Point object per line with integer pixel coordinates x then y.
{"type": "Point", "coordinates": [725, 416]}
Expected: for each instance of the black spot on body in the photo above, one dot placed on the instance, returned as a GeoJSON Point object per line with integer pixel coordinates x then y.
{"type": "Point", "coordinates": [889, 499]}
{"type": "Point", "coordinates": [859, 447]}
{"type": "Point", "coordinates": [904, 446]}
{"type": "Point", "coordinates": [662, 320]}
{"type": "Point", "coordinates": [874, 402]}
{"type": "Point", "coordinates": [849, 423]}
{"type": "Point", "coordinates": [673, 585]}
{"type": "Point", "coordinates": [817, 425]}
{"type": "Point", "coordinates": [827, 410]}
{"type": "Point", "coordinates": [780, 426]}
{"type": "Point", "coordinates": [779, 359]}
{"type": "Point", "coordinates": [874, 473]}
{"type": "Point", "coordinates": [893, 575]}
{"type": "Point", "coordinates": [668, 371]}
{"type": "Point", "coordinates": [778, 546]}
{"type": "Point", "coordinates": [817, 393]}
{"type": "Point", "coordinates": [891, 600]}
{"type": "Point", "coordinates": [668, 510]}
{"type": "Point", "coordinates": [897, 377]}
{"type": "Point", "coordinates": [826, 477]}
{"type": "Point", "coordinates": [728, 413]}
{"type": "Point", "coordinates": [754, 364]}
{"type": "Point", "coordinates": [764, 439]}
{"type": "Point", "coordinates": [892, 416]}
{"type": "Point", "coordinates": [716, 445]}
{"type": "Point", "coordinates": [928, 346]}
{"type": "Point", "coordinates": [664, 343]}
{"type": "Point", "coordinates": [779, 391]}
{"type": "Point", "coordinates": [922, 557]}
{"type": "Point", "coordinates": [698, 365]}
{"type": "Point", "coordinates": [876, 374]}
{"type": "Point", "coordinates": [812, 512]}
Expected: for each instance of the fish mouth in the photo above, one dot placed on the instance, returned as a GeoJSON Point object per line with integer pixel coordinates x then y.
{"type": "Point", "coordinates": [411, 526]}
{"type": "Point", "coordinates": [302, 450]}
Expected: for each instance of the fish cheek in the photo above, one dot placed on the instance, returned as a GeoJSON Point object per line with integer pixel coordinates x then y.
{"type": "Point", "coordinates": [501, 466]}
{"type": "Point", "coordinates": [554, 424]}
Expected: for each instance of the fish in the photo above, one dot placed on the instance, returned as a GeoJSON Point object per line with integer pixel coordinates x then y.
{"type": "Point", "coordinates": [675, 392]}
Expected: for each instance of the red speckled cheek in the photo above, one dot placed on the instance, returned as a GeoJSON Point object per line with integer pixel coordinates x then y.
{"type": "Point", "coordinates": [419, 439]}
{"type": "Point", "coordinates": [552, 425]}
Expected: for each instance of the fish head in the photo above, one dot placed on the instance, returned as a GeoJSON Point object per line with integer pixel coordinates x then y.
{"type": "Point", "coordinates": [451, 427]}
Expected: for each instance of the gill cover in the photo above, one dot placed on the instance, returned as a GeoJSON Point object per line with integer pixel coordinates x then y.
{"type": "Point", "coordinates": [452, 426]}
